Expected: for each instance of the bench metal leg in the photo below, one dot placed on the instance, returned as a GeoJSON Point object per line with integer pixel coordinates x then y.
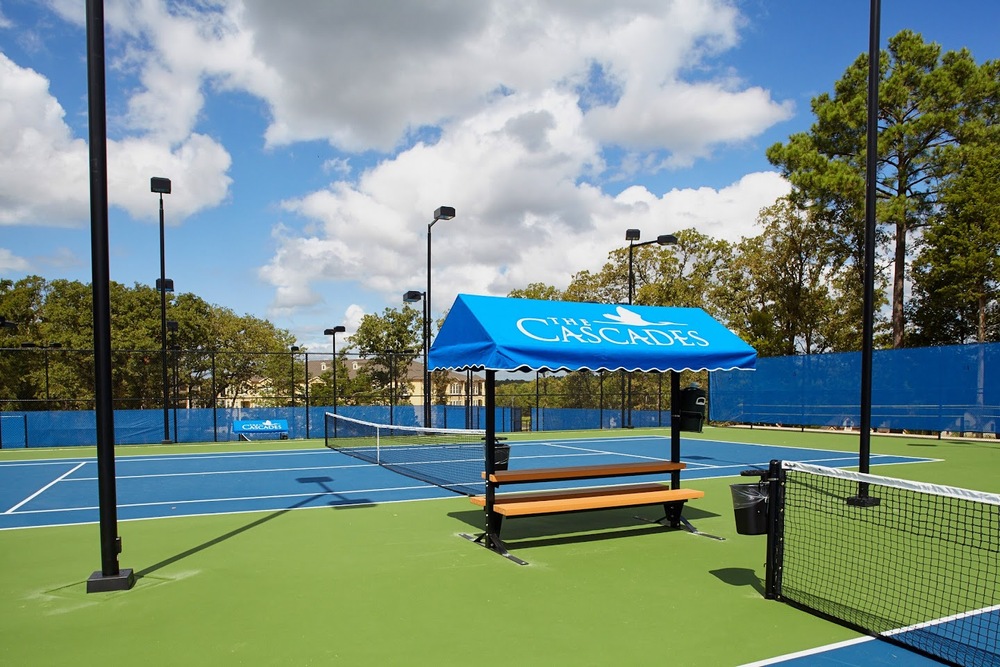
{"type": "Point", "coordinates": [691, 529]}
{"type": "Point", "coordinates": [491, 538]}
{"type": "Point", "coordinates": [674, 519]}
{"type": "Point", "coordinates": [494, 544]}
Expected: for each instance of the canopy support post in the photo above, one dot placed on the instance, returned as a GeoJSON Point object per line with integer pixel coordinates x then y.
{"type": "Point", "coordinates": [675, 427]}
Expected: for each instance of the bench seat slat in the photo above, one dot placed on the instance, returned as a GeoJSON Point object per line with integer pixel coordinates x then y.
{"type": "Point", "coordinates": [583, 472]}
{"type": "Point", "coordinates": [573, 500]}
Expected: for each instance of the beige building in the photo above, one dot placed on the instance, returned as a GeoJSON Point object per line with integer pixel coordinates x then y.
{"type": "Point", "coordinates": [459, 389]}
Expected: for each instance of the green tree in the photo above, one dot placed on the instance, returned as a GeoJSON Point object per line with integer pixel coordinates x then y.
{"type": "Point", "coordinates": [609, 285]}
{"type": "Point", "coordinates": [390, 342]}
{"type": "Point", "coordinates": [251, 353]}
{"type": "Point", "coordinates": [956, 277]}
{"type": "Point", "coordinates": [922, 101]}
{"type": "Point", "coordinates": [245, 352]}
{"type": "Point", "coordinates": [539, 291]}
{"type": "Point", "coordinates": [783, 293]}
{"type": "Point", "coordinates": [685, 274]}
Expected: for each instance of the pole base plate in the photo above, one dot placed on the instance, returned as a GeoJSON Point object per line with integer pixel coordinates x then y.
{"type": "Point", "coordinates": [101, 583]}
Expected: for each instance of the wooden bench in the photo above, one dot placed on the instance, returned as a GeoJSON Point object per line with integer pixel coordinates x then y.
{"type": "Point", "coordinates": [581, 500]}
{"type": "Point", "coordinates": [583, 472]}
{"type": "Point", "coordinates": [536, 503]}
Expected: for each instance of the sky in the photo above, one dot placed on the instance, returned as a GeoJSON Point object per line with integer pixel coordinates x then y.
{"type": "Point", "coordinates": [309, 142]}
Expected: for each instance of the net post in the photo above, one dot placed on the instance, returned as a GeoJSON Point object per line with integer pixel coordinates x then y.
{"type": "Point", "coordinates": [775, 528]}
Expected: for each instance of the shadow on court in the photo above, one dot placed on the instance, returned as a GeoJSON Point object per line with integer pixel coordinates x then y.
{"type": "Point", "coordinates": [579, 528]}
{"type": "Point", "coordinates": [739, 577]}
{"type": "Point", "coordinates": [323, 483]}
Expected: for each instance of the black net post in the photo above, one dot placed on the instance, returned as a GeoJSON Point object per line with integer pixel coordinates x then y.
{"type": "Point", "coordinates": [775, 529]}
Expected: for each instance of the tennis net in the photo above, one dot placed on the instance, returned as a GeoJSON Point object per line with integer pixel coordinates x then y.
{"type": "Point", "coordinates": [451, 458]}
{"type": "Point", "coordinates": [916, 564]}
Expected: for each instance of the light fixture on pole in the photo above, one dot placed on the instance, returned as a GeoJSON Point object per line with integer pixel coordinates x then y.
{"type": "Point", "coordinates": [632, 235]}
{"type": "Point", "coordinates": [332, 332]}
{"type": "Point", "coordinates": [161, 186]}
{"type": "Point", "coordinates": [412, 296]}
{"type": "Point", "coordinates": [442, 213]}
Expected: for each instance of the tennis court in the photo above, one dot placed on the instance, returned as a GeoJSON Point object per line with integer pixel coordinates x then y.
{"type": "Point", "coordinates": [64, 491]}
{"type": "Point", "coordinates": [227, 573]}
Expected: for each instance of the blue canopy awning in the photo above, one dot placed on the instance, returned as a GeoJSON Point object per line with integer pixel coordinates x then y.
{"type": "Point", "coordinates": [506, 334]}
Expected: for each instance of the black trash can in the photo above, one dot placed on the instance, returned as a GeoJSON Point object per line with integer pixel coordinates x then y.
{"type": "Point", "coordinates": [750, 508]}
{"type": "Point", "coordinates": [501, 456]}
{"type": "Point", "coordinates": [692, 409]}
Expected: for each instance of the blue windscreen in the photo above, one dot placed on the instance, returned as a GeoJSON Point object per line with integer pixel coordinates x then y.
{"type": "Point", "coordinates": [951, 388]}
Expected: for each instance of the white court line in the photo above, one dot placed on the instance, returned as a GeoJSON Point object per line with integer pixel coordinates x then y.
{"type": "Point", "coordinates": [205, 473]}
{"type": "Point", "coordinates": [236, 499]}
{"type": "Point", "coordinates": [125, 458]}
{"type": "Point", "coordinates": [591, 450]}
{"type": "Point", "coordinates": [808, 652]}
{"type": "Point", "coordinates": [44, 488]}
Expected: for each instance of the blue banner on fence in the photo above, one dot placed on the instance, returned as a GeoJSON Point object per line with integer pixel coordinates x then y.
{"type": "Point", "coordinates": [261, 426]}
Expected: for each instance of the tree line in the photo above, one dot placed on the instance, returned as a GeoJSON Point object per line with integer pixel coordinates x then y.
{"type": "Point", "coordinates": [214, 356]}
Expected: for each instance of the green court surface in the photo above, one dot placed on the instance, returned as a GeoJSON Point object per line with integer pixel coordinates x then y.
{"type": "Point", "coordinates": [395, 584]}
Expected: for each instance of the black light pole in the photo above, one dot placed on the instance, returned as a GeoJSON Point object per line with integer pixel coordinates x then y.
{"type": "Point", "coordinates": [332, 332]}
{"type": "Point", "coordinates": [412, 296]}
{"type": "Point", "coordinates": [442, 213]}
{"type": "Point", "coordinates": [293, 349]}
{"type": "Point", "coordinates": [632, 235]}
{"type": "Point", "coordinates": [868, 317]}
{"type": "Point", "coordinates": [111, 577]}
{"type": "Point", "coordinates": [392, 384]}
{"type": "Point", "coordinates": [174, 347]}
{"type": "Point", "coordinates": [305, 389]}
{"type": "Point", "coordinates": [161, 186]}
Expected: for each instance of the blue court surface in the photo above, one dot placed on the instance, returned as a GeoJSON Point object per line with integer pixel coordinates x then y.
{"type": "Point", "coordinates": [869, 651]}
{"type": "Point", "coordinates": [64, 491]}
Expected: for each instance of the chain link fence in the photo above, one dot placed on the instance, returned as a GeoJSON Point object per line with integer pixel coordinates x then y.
{"type": "Point", "coordinates": [47, 395]}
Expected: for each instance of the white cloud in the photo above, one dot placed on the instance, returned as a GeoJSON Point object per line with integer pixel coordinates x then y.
{"type": "Point", "coordinates": [729, 213]}
{"type": "Point", "coordinates": [197, 168]}
{"type": "Point", "coordinates": [686, 120]}
{"type": "Point", "coordinates": [523, 215]}
{"type": "Point", "coordinates": [11, 263]}
{"type": "Point", "coordinates": [353, 317]}
{"type": "Point", "coordinates": [44, 170]}
{"type": "Point", "coordinates": [387, 72]}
